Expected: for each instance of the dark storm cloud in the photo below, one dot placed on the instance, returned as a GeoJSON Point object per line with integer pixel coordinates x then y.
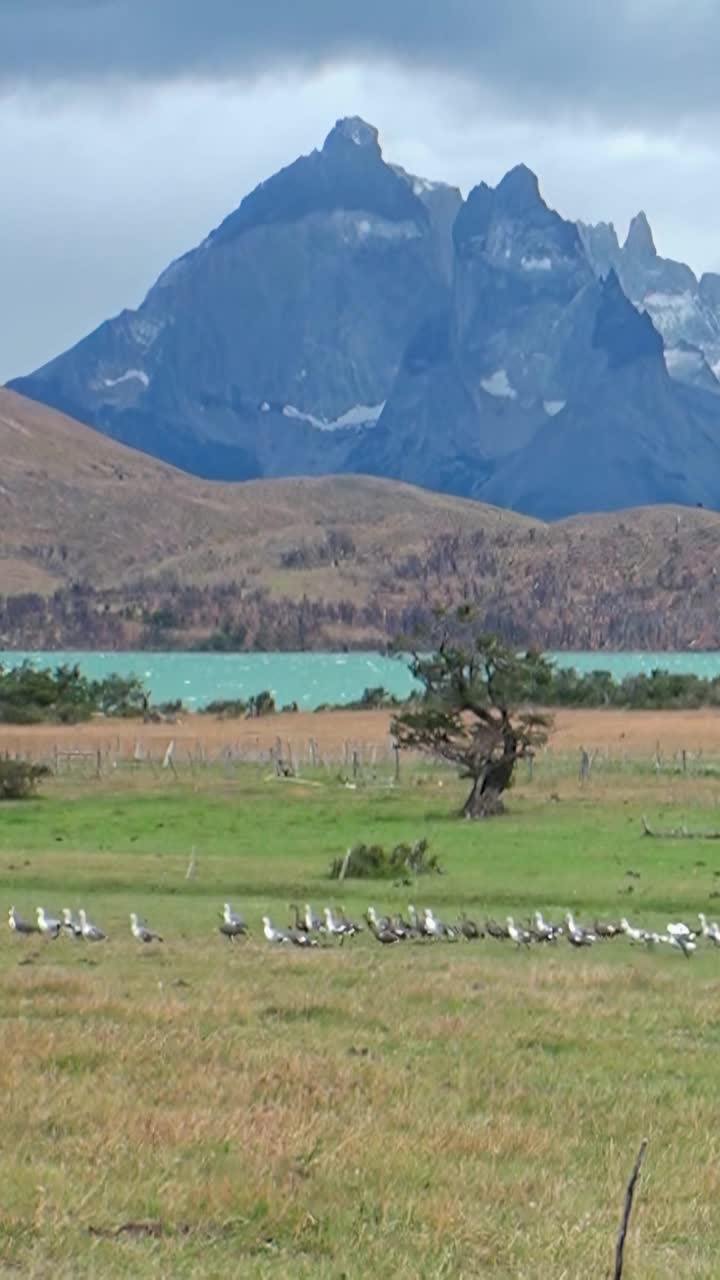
{"type": "Point", "coordinates": [644, 61]}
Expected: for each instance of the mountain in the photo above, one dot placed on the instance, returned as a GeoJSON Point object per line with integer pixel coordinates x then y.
{"type": "Point", "coordinates": [685, 310]}
{"type": "Point", "coordinates": [541, 387]}
{"type": "Point", "coordinates": [350, 317]}
{"type": "Point", "coordinates": [102, 547]}
{"type": "Point", "coordinates": [264, 350]}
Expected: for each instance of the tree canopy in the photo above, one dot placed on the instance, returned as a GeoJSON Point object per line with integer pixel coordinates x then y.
{"type": "Point", "coordinates": [474, 711]}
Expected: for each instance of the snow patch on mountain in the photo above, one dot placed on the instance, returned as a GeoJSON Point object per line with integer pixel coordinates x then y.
{"type": "Point", "coordinates": [554, 407]}
{"type": "Point", "coordinates": [498, 384]}
{"type": "Point", "coordinates": [536, 264]}
{"type": "Point", "coordinates": [128, 376]}
{"type": "Point", "coordinates": [360, 415]}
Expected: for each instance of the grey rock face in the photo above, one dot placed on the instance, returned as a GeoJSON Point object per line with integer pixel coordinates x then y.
{"type": "Point", "coordinates": [542, 388]}
{"type": "Point", "coordinates": [264, 350]}
{"type": "Point", "coordinates": [685, 312]}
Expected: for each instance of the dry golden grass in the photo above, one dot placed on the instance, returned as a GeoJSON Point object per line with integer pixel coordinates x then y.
{"type": "Point", "coordinates": [635, 734]}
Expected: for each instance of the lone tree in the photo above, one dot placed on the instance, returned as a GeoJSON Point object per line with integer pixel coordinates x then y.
{"type": "Point", "coordinates": [474, 711]}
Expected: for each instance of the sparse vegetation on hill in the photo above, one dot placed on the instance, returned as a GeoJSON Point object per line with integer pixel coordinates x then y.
{"type": "Point", "coordinates": [102, 547]}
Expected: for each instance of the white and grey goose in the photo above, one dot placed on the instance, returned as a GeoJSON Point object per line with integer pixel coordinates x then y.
{"type": "Point", "coordinates": [49, 925]}
{"type": "Point", "coordinates": [544, 930]}
{"type": "Point", "coordinates": [680, 930]}
{"type": "Point", "coordinates": [681, 942]}
{"type": "Point", "coordinates": [577, 936]}
{"type": "Point", "coordinates": [18, 925]}
{"type": "Point", "coordinates": [70, 924]}
{"type": "Point", "coordinates": [275, 935]}
{"type": "Point", "coordinates": [519, 936]}
{"type": "Point", "coordinates": [233, 925]}
{"type": "Point", "coordinates": [141, 931]}
{"type": "Point", "coordinates": [90, 932]}
{"type": "Point", "coordinates": [631, 932]}
{"type": "Point", "coordinates": [710, 931]}
{"type": "Point", "coordinates": [337, 928]}
{"type": "Point", "coordinates": [434, 928]}
{"type": "Point", "coordinates": [312, 923]}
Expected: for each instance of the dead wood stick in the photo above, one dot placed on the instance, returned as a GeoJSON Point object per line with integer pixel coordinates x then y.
{"type": "Point", "coordinates": [679, 833]}
{"type": "Point", "coordinates": [627, 1210]}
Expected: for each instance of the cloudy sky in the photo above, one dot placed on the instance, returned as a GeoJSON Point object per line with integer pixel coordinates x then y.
{"type": "Point", "coordinates": [129, 128]}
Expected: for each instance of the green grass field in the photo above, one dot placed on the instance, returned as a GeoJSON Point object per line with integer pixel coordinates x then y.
{"type": "Point", "coordinates": [203, 1109]}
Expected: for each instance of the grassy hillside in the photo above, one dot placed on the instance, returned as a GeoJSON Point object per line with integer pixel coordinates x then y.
{"type": "Point", "coordinates": [75, 504]}
{"type": "Point", "coordinates": [365, 556]}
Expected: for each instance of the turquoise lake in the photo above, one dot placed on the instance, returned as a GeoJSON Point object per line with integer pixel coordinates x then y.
{"type": "Point", "coordinates": [311, 678]}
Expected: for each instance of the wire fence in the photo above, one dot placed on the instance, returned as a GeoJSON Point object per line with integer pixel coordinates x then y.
{"type": "Point", "coordinates": [350, 760]}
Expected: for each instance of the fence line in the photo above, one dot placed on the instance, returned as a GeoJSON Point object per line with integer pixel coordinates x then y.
{"type": "Point", "coordinates": [352, 759]}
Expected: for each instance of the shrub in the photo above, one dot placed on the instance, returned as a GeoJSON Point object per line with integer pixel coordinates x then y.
{"type": "Point", "coordinates": [226, 708]}
{"type": "Point", "coordinates": [19, 778]}
{"type": "Point", "coordinates": [371, 862]}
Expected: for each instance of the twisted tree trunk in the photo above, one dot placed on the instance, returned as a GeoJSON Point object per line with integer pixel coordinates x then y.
{"type": "Point", "coordinates": [485, 799]}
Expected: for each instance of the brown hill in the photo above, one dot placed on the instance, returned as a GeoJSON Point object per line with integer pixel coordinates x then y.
{"type": "Point", "coordinates": [169, 559]}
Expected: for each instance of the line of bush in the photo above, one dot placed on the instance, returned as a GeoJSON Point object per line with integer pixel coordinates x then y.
{"type": "Point", "coordinates": [29, 695]}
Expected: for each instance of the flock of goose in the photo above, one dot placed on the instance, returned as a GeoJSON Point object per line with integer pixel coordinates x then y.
{"type": "Point", "coordinates": [537, 930]}
{"type": "Point", "coordinates": [81, 928]}
{"type": "Point", "coordinates": [309, 930]}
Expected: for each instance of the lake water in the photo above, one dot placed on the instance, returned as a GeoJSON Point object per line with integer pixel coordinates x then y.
{"type": "Point", "coordinates": [312, 678]}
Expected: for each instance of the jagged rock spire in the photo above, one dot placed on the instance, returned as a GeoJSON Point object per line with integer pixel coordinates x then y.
{"type": "Point", "coordinates": [640, 241]}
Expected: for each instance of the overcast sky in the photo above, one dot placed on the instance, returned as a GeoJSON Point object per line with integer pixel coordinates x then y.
{"type": "Point", "coordinates": [129, 128]}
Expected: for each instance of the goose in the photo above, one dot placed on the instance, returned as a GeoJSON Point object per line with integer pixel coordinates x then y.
{"type": "Point", "coordinates": [69, 924]}
{"type": "Point", "coordinates": [377, 922]}
{"type": "Point", "coordinates": [274, 935]}
{"type": "Point", "coordinates": [352, 925]}
{"type": "Point", "coordinates": [605, 929]}
{"type": "Point", "coordinates": [434, 927]}
{"type": "Point", "coordinates": [386, 936]}
{"type": "Point", "coordinates": [635, 935]}
{"type": "Point", "coordinates": [577, 936]}
{"type": "Point", "coordinates": [680, 930]}
{"type": "Point", "coordinates": [141, 931]}
{"type": "Point", "coordinates": [337, 928]}
{"type": "Point", "coordinates": [519, 936]}
{"type": "Point", "coordinates": [233, 925]}
{"type": "Point", "coordinates": [90, 932]}
{"type": "Point", "coordinates": [469, 929]}
{"type": "Point", "coordinates": [545, 932]}
{"type": "Point", "coordinates": [709, 931]}
{"type": "Point", "coordinates": [312, 924]}
{"type": "Point", "coordinates": [417, 922]}
{"type": "Point", "coordinates": [233, 917]}
{"type": "Point", "coordinates": [299, 922]}
{"type": "Point", "coordinates": [18, 925]}
{"type": "Point", "coordinates": [681, 943]}
{"type": "Point", "coordinates": [383, 930]}
{"type": "Point", "coordinates": [299, 938]}
{"type": "Point", "coordinates": [48, 925]}
{"type": "Point", "coordinates": [495, 930]}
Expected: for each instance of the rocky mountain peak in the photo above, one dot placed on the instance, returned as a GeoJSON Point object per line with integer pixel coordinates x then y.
{"type": "Point", "coordinates": [355, 131]}
{"type": "Point", "coordinates": [623, 332]}
{"type": "Point", "coordinates": [640, 242]}
{"type": "Point", "coordinates": [519, 192]}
